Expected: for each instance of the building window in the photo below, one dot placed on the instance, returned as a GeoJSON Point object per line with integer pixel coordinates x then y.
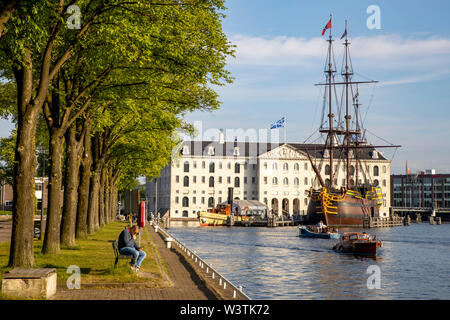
{"type": "Point", "coordinates": [306, 166]}
{"type": "Point", "coordinates": [186, 181]}
{"type": "Point", "coordinates": [352, 170]}
{"type": "Point", "coordinates": [306, 181]}
{"type": "Point", "coordinates": [195, 164]}
{"type": "Point", "coordinates": [210, 202]}
{"type": "Point", "coordinates": [177, 179]}
{"type": "Point", "coordinates": [211, 167]}
{"type": "Point", "coordinates": [237, 168]}
{"type": "Point", "coordinates": [376, 183]}
{"type": "Point", "coordinates": [285, 181]}
{"type": "Point", "coordinates": [185, 202]}
{"type": "Point", "coordinates": [384, 169]}
{"type": "Point", "coordinates": [186, 166]}
{"type": "Point", "coordinates": [194, 200]}
{"type": "Point", "coordinates": [296, 167]}
{"type": "Point", "coordinates": [220, 179]}
{"type": "Point", "coordinates": [236, 182]}
{"type": "Point", "coordinates": [229, 180]}
{"type": "Point", "coordinates": [275, 166]}
{"type": "Point", "coordinates": [265, 180]}
{"type": "Point", "coordinates": [203, 200]}
{"type": "Point", "coordinates": [229, 165]}
{"type": "Point", "coordinates": [285, 167]}
{"type": "Point", "coordinates": [265, 165]}
{"type": "Point", "coordinates": [253, 180]}
{"type": "Point", "coordinates": [275, 181]}
{"type": "Point", "coordinates": [245, 180]}
{"type": "Point", "coordinates": [185, 213]}
{"type": "Point", "coordinates": [296, 181]}
{"type": "Point", "coordinates": [376, 171]}
{"type": "Point", "coordinates": [211, 181]}
{"type": "Point", "coordinates": [327, 169]}
{"type": "Point", "coordinates": [177, 200]}
{"type": "Point", "coordinates": [220, 165]}
{"type": "Point", "coordinates": [203, 164]}
{"type": "Point", "coordinates": [384, 183]}
{"type": "Point", "coordinates": [203, 179]}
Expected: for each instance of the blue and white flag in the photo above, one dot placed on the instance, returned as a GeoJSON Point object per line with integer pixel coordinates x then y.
{"type": "Point", "coordinates": [279, 124]}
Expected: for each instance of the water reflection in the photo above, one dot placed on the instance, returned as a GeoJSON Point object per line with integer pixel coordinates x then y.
{"type": "Point", "coordinates": [277, 264]}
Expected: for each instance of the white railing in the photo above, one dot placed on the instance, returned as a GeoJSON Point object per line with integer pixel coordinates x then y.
{"type": "Point", "coordinates": [215, 275]}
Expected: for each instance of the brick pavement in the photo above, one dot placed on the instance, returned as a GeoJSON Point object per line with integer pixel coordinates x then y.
{"type": "Point", "coordinates": [5, 231]}
{"type": "Point", "coordinates": [185, 282]}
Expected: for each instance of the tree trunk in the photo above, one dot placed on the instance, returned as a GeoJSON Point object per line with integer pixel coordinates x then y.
{"type": "Point", "coordinates": [101, 197]}
{"type": "Point", "coordinates": [83, 188]}
{"type": "Point", "coordinates": [92, 218]}
{"type": "Point", "coordinates": [107, 198]}
{"type": "Point", "coordinates": [21, 249]}
{"type": "Point", "coordinates": [70, 189]}
{"type": "Point", "coordinates": [52, 231]}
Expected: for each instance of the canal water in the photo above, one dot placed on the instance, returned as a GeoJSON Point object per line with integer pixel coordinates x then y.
{"type": "Point", "coordinates": [275, 263]}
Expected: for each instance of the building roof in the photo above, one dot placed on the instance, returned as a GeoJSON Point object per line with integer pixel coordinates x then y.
{"type": "Point", "coordinates": [256, 149]}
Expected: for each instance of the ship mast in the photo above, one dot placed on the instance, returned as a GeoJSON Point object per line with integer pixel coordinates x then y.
{"type": "Point", "coordinates": [330, 109]}
{"type": "Point", "coordinates": [357, 104]}
{"type": "Point", "coordinates": [347, 75]}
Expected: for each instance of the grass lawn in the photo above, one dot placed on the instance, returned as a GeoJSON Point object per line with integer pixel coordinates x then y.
{"type": "Point", "coordinates": [95, 257]}
{"type": "Point", "coordinates": [4, 213]}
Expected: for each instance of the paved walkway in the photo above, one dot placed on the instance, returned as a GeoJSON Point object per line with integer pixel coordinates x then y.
{"type": "Point", "coordinates": [186, 284]}
{"type": "Point", "coordinates": [5, 231]}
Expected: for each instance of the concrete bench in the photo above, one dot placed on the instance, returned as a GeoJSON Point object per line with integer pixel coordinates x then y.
{"type": "Point", "coordinates": [30, 283]}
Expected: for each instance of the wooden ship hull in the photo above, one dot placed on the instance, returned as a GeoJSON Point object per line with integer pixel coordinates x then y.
{"type": "Point", "coordinates": [347, 209]}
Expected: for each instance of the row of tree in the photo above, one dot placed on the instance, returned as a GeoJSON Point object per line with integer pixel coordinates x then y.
{"type": "Point", "coordinates": [104, 96]}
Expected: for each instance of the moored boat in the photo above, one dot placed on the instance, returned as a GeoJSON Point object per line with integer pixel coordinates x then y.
{"type": "Point", "coordinates": [312, 232]}
{"type": "Point", "coordinates": [223, 214]}
{"type": "Point", "coordinates": [358, 243]}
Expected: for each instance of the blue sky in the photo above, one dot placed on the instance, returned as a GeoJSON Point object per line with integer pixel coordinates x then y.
{"type": "Point", "coordinates": [281, 54]}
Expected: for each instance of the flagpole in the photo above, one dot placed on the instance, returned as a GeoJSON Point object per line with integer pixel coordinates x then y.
{"type": "Point", "coordinates": [285, 128]}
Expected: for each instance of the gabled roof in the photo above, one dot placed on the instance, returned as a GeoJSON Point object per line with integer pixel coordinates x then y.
{"type": "Point", "coordinates": [255, 149]}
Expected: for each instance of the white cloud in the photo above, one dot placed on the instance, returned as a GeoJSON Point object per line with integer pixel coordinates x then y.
{"type": "Point", "coordinates": [382, 52]}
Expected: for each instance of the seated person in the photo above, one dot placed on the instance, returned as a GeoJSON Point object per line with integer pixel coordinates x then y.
{"type": "Point", "coordinates": [127, 246]}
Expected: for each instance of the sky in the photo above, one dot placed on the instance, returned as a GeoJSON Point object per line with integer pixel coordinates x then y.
{"type": "Point", "coordinates": [280, 55]}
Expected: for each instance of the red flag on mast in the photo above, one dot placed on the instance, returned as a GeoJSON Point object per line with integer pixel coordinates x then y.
{"type": "Point", "coordinates": [328, 26]}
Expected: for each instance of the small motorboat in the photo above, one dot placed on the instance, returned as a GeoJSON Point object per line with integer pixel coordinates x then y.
{"type": "Point", "coordinates": [358, 243]}
{"type": "Point", "coordinates": [316, 232]}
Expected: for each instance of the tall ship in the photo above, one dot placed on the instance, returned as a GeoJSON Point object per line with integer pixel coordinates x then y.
{"type": "Point", "coordinates": [345, 141]}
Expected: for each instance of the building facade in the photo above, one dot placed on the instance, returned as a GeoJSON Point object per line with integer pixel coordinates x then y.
{"type": "Point", "coordinates": [40, 191]}
{"type": "Point", "coordinates": [421, 190]}
{"type": "Point", "coordinates": [278, 175]}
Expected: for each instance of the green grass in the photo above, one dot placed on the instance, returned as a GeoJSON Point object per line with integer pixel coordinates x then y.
{"type": "Point", "coordinates": [5, 213]}
{"type": "Point", "coordinates": [95, 257]}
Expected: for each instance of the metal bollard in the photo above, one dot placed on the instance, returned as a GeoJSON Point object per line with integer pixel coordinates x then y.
{"type": "Point", "coordinates": [169, 242]}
